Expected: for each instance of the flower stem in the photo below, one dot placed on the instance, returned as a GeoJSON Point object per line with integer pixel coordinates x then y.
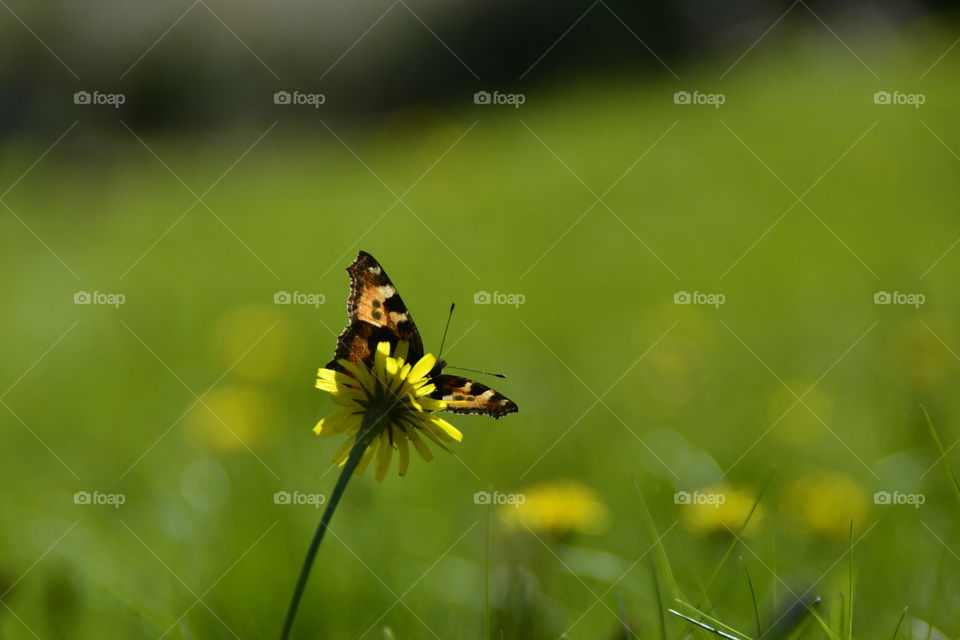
{"type": "Point", "coordinates": [368, 429]}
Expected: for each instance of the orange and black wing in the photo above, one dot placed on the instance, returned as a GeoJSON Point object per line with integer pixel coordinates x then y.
{"type": "Point", "coordinates": [376, 313]}
{"type": "Point", "coordinates": [469, 396]}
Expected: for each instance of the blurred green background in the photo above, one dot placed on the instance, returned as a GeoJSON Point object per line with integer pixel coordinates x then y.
{"type": "Point", "coordinates": [798, 200]}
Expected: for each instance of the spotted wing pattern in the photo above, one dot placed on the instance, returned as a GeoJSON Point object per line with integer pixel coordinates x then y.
{"type": "Point", "coordinates": [377, 314]}
{"type": "Point", "coordinates": [468, 396]}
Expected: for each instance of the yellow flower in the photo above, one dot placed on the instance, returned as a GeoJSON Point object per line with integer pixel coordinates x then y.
{"type": "Point", "coordinates": [394, 397]}
{"type": "Point", "coordinates": [253, 344]}
{"type": "Point", "coordinates": [719, 509]}
{"type": "Point", "coordinates": [823, 503]}
{"type": "Point", "coordinates": [233, 417]}
{"type": "Point", "coordinates": [557, 508]}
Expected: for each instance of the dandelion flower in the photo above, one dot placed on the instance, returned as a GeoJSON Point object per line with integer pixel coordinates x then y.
{"type": "Point", "coordinates": [823, 503]}
{"type": "Point", "coordinates": [558, 509]}
{"type": "Point", "coordinates": [233, 416]}
{"type": "Point", "coordinates": [394, 396]}
{"type": "Point", "coordinates": [720, 509]}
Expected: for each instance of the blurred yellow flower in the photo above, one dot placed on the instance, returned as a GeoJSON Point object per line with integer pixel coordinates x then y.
{"type": "Point", "coordinates": [397, 393]}
{"type": "Point", "coordinates": [233, 417]}
{"type": "Point", "coordinates": [558, 509]}
{"type": "Point", "coordinates": [823, 503]}
{"type": "Point", "coordinates": [720, 508]}
{"type": "Point", "coordinates": [253, 343]}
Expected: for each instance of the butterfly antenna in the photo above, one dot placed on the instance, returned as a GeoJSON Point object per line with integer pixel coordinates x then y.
{"type": "Point", "coordinates": [444, 338]}
{"type": "Point", "coordinates": [486, 373]}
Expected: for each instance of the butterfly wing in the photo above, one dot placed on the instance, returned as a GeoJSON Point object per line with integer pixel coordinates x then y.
{"type": "Point", "coordinates": [468, 396]}
{"type": "Point", "coordinates": [377, 314]}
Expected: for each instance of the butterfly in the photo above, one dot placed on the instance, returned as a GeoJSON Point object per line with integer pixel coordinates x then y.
{"type": "Point", "coordinates": [378, 314]}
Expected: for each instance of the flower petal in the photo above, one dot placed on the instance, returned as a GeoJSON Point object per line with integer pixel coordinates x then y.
{"type": "Point", "coordinates": [365, 460]}
{"type": "Point", "coordinates": [448, 428]}
{"type": "Point", "coordinates": [340, 457]}
{"type": "Point", "coordinates": [380, 360]}
{"type": "Point", "coordinates": [422, 368]}
{"type": "Point", "coordinates": [419, 445]}
{"type": "Point", "coordinates": [436, 436]}
{"type": "Point", "coordinates": [336, 422]}
{"type": "Point", "coordinates": [426, 389]}
{"type": "Point", "coordinates": [345, 400]}
{"type": "Point", "coordinates": [327, 385]}
{"type": "Point", "coordinates": [383, 456]}
{"type": "Point", "coordinates": [404, 448]}
{"type": "Point", "coordinates": [392, 368]}
{"type": "Point", "coordinates": [432, 404]}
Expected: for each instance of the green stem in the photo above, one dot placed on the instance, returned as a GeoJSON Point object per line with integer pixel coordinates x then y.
{"type": "Point", "coordinates": [367, 431]}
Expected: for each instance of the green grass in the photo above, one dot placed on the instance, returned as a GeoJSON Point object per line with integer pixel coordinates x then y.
{"type": "Point", "coordinates": [199, 518]}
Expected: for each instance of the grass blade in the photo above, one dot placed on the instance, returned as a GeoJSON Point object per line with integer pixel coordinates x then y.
{"type": "Point", "coordinates": [661, 553]}
{"type": "Point", "coordinates": [899, 622]}
{"type": "Point", "coordinates": [707, 627]}
{"type": "Point", "coordinates": [798, 629]}
{"type": "Point", "coordinates": [753, 597]}
{"type": "Point", "coordinates": [812, 608]}
{"type": "Point", "coordinates": [735, 541]}
{"type": "Point", "coordinates": [729, 630]}
{"type": "Point", "coordinates": [656, 591]}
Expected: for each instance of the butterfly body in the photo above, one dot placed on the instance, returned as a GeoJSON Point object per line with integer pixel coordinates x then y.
{"type": "Point", "coordinates": [378, 314]}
